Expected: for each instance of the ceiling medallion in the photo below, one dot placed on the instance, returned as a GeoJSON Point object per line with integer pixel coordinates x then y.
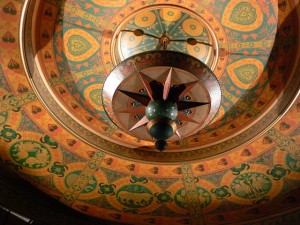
{"type": "Point", "coordinates": [162, 94]}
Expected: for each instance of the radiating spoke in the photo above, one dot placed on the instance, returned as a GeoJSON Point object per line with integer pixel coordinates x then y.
{"type": "Point", "coordinates": [139, 32]}
{"type": "Point", "coordinates": [159, 46]}
{"type": "Point", "coordinates": [142, 122]}
{"type": "Point", "coordinates": [184, 117]}
{"type": "Point", "coordinates": [167, 85]}
{"type": "Point", "coordinates": [143, 99]}
{"type": "Point", "coordinates": [193, 41]}
{"type": "Point", "coordinates": [178, 134]}
{"type": "Point", "coordinates": [187, 105]}
{"type": "Point", "coordinates": [179, 40]}
{"type": "Point", "coordinates": [146, 81]}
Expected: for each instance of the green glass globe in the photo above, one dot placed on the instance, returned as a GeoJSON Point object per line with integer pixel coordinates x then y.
{"type": "Point", "coordinates": [161, 109]}
{"type": "Point", "coordinates": [161, 130]}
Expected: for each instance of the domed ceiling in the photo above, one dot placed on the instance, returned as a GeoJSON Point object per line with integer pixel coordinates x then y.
{"type": "Point", "coordinates": [244, 166]}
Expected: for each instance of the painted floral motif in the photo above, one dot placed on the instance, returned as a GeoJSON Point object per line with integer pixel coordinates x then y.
{"type": "Point", "coordinates": [243, 13]}
{"type": "Point", "coordinates": [96, 97]}
{"type": "Point", "coordinates": [293, 163]}
{"type": "Point", "coordinates": [251, 185]}
{"type": "Point", "coordinates": [107, 189]}
{"type": "Point", "coordinates": [77, 45]}
{"type": "Point", "coordinates": [58, 168]}
{"type": "Point", "coordinates": [278, 172]}
{"type": "Point", "coordinates": [221, 192]}
{"type": "Point", "coordinates": [30, 154]}
{"type": "Point", "coordinates": [134, 196]}
{"type": "Point", "coordinates": [238, 170]}
{"type": "Point", "coordinates": [47, 140]}
{"type": "Point", "coordinates": [8, 134]}
{"type": "Point", "coordinates": [246, 73]}
{"type": "Point", "coordinates": [135, 179]}
{"type": "Point", "coordinates": [163, 197]}
{"type": "Point", "coordinates": [203, 195]}
{"type": "Point", "coordinates": [246, 15]}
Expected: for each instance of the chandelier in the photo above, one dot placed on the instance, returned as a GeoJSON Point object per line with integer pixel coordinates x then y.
{"type": "Point", "coordinates": [161, 95]}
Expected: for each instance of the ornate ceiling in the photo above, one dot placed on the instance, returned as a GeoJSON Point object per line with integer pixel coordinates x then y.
{"type": "Point", "coordinates": [55, 56]}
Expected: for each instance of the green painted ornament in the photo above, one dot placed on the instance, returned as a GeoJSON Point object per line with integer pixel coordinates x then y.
{"type": "Point", "coordinates": [161, 130]}
{"type": "Point", "coordinates": [161, 109]}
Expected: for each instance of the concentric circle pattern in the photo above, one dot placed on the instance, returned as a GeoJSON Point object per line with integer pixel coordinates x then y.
{"type": "Point", "coordinates": [73, 64]}
{"type": "Point", "coordinates": [243, 168]}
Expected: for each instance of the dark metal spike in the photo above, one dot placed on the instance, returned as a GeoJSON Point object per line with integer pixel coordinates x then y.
{"type": "Point", "coordinates": [187, 105]}
{"type": "Point", "coordinates": [157, 89]}
{"type": "Point", "coordinates": [143, 99]}
{"type": "Point", "coordinates": [178, 91]}
{"type": "Point", "coordinates": [175, 92]}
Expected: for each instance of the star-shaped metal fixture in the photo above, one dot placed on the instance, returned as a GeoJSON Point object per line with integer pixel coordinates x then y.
{"type": "Point", "coordinates": [162, 96]}
{"type": "Point", "coordinates": [163, 105]}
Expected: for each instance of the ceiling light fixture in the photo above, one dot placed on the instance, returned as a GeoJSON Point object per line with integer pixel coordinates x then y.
{"type": "Point", "coordinates": [161, 95]}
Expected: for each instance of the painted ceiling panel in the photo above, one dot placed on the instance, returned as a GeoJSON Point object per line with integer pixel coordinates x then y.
{"type": "Point", "coordinates": [54, 59]}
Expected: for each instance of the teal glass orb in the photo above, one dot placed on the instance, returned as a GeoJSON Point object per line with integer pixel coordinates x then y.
{"type": "Point", "coordinates": [161, 130]}
{"type": "Point", "coordinates": [161, 109]}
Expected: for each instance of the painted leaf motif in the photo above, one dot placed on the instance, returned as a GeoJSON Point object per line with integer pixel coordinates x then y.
{"type": "Point", "coordinates": [245, 15]}
{"type": "Point", "coordinates": [79, 45]}
{"type": "Point", "coordinates": [245, 73]}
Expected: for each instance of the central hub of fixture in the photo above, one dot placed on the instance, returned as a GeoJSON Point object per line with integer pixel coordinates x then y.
{"type": "Point", "coordinates": [164, 41]}
{"type": "Point", "coordinates": [161, 109]}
